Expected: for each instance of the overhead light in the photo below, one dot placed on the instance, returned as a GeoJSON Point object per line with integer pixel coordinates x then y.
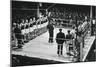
{"type": "Point", "coordinates": [40, 4]}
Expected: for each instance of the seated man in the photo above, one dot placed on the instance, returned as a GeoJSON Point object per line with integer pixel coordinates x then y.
{"type": "Point", "coordinates": [18, 36]}
{"type": "Point", "coordinates": [69, 45]}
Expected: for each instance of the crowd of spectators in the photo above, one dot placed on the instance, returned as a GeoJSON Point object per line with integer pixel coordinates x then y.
{"type": "Point", "coordinates": [62, 13]}
{"type": "Point", "coordinates": [30, 25]}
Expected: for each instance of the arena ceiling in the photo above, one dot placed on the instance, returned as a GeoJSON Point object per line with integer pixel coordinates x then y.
{"type": "Point", "coordinates": [34, 5]}
{"type": "Point", "coordinates": [29, 5]}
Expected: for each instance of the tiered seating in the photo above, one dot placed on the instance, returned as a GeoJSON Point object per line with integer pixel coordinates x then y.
{"type": "Point", "coordinates": [68, 16]}
{"type": "Point", "coordinates": [32, 28]}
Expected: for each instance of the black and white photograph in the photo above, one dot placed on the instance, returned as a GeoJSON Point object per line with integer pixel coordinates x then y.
{"type": "Point", "coordinates": [45, 33]}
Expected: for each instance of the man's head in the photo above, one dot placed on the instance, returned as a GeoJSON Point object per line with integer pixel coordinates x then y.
{"type": "Point", "coordinates": [60, 30]}
{"type": "Point", "coordinates": [51, 20]}
{"type": "Point", "coordinates": [68, 31]}
{"type": "Point", "coordinates": [18, 25]}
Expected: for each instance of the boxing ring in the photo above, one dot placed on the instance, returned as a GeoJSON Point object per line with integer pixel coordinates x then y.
{"type": "Point", "coordinates": [40, 48]}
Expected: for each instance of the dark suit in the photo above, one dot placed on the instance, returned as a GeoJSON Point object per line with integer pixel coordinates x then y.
{"type": "Point", "coordinates": [18, 36]}
{"type": "Point", "coordinates": [60, 38]}
{"type": "Point", "coordinates": [50, 29]}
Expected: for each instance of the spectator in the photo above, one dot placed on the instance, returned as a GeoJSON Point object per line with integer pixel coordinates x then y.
{"type": "Point", "coordinates": [18, 36]}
